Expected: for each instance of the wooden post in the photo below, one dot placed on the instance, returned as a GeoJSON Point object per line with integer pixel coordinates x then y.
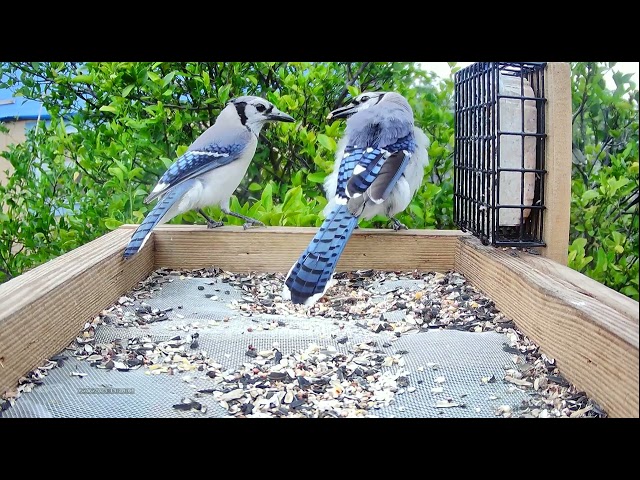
{"type": "Point", "coordinates": [557, 190]}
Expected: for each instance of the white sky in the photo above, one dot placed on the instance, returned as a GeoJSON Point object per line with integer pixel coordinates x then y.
{"type": "Point", "coordinates": [442, 69]}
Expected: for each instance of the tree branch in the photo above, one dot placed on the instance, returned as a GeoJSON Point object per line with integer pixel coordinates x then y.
{"type": "Point", "coordinates": [297, 157]}
{"type": "Point", "coordinates": [349, 83]}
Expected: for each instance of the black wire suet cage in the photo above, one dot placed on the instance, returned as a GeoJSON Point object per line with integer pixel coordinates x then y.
{"type": "Point", "coordinates": [499, 152]}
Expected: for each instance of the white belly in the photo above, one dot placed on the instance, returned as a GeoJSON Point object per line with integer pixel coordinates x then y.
{"type": "Point", "coordinates": [213, 188]}
{"type": "Point", "coordinates": [218, 185]}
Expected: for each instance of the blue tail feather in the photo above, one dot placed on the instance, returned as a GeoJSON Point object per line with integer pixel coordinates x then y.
{"type": "Point", "coordinates": [313, 270]}
{"type": "Point", "coordinates": [154, 217]}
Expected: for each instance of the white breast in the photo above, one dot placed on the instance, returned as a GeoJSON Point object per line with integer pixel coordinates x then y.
{"type": "Point", "coordinates": [219, 184]}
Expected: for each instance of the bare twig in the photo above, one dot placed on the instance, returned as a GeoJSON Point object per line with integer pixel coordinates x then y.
{"type": "Point", "coordinates": [297, 157]}
{"type": "Point", "coordinates": [349, 83]}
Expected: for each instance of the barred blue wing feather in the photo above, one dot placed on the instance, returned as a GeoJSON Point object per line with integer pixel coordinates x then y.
{"type": "Point", "coordinates": [351, 157]}
{"type": "Point", "coordinates": [194, 163]}
{"type": "Point", "coordinates": [365, 172]}
{"type": "Point", "coordinates": [392, 169]}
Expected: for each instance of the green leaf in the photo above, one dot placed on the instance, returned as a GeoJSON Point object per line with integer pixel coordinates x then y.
{"type": "Point", "coordinates": [266, 198]}
{"type": "Point", "coordinates": [589, 195]}
{"type": "Point", "coordinates": [127, 90]}
{"type": "Point", "coordinates": [601, 260]}
{"type": "Point", "coordinates": [181, 150]}
{"type": "Point", "coordinates": [82, 79]}
{"type": "Point", "coordinates": [630, 291]}
{"type": "Point", "coordinates": [353, 91]}
{"type": "Point", "coordinates": [333, 129]}
{"type": "Point", "coordinates": [223, 94]}
{"type": "Point", "coordinates": [316, 177]}
{"type": "Point", "coordinates": [579, 243]}
{"type": "Point", "coordinates": [292, 199]}
{"type": "Point", "coordinates": [618, 237]}
{"type": "Point", "coordinates": [154, 77]}
{"type": "Point", "coordinates": [168, 78]}
{"type": "Point", "coordinates": [416, 210]}
{"type": "Point", "coordinates": [117, 172]}
{"type": "Point", "coordinates": [206, 80]}
{"type": "Point", "coordinates": [107, 108]}
{"type": "Point", "coordinates": [327, 142]}
{"type": "Point", "coordinates": [254, 187]}
{"type": "Point", "coordinates": [296, 179]}
{"type": "Point", "coordinates": [112, 223]}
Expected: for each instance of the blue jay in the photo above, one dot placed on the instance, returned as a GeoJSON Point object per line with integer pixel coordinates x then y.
{"type": "Point", "coordinates": [211, 169]}
{"type": "Point", "coordinates": [379, 165]}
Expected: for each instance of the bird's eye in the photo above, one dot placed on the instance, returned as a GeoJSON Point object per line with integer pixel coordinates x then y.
{"type": "Point", "coordinates": [260, 107]}
{"type": "Point", "coordinates": [364, 98]}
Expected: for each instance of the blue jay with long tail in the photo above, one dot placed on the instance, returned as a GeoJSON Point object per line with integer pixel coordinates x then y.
{"type": "Point", "coordinates": [211, 169]}
{"type": "Point", "coordinates": [379, 166]}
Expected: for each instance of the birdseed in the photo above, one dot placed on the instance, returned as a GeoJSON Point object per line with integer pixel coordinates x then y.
{"type": "Point", "coordinates": [318, 381]}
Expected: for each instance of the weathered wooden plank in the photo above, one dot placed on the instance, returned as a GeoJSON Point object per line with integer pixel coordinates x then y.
{"type": "Point", "coordinates": [42, 310]}
{"type": "Point", "coordinates": [557, 191]}
{"type": "Point", "coordinates": [574, 280]}
{"type": "Point", "coordinates": [591, 330]}
{"type": "Point", "coordinates": [274, 249]}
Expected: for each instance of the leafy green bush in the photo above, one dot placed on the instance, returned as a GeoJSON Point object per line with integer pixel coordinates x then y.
{"type": "Point", "coordinates": [604, 203]}
{"type": "Point", "coordinates": [83, 175]}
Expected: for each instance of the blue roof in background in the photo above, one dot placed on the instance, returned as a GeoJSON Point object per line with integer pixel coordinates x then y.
{"type": "Point", "coordinates": [19, 108]}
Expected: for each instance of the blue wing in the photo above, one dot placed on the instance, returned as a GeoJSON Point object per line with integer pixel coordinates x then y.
{"type": "Point", "coordinates": [361, 167]}
{"type": "Point", "coordinates": [349, 161]}
{"type": "Point", "coordinates": [193, 163]}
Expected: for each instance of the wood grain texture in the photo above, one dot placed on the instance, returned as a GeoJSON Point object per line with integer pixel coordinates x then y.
{"type": "Point", "coordinates": [275, 249]}
{"type": "Point", "coordinates": [557, 190]}
{"type": "Point", "coordinates": [591, 330]}
{"type": "Point", "coordinates": [574, 280]}
{"type": "Point", "coordinates": [42, 310]}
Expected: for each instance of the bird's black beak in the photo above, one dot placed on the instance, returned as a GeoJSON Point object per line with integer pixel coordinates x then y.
{"type": "Point", "coordinates": [342, 112]}
{"type": "Point", "coordinates": [277, 116]}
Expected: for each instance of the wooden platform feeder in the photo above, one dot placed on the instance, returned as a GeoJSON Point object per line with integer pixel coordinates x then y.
{"type": "Point", "coordinates": [590, 330]}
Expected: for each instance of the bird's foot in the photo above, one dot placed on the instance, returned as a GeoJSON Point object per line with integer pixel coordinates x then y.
{"type": "Point", "coordinates": [398, 225]}
{"type": "Point", "coordinates": [214, 224]}
{"type": "Point", "coordinates": [249, 222]}
{"type": "Point", "coordinates": [252, 223]}
{"type": "Point", "coordinates": [210, 222]}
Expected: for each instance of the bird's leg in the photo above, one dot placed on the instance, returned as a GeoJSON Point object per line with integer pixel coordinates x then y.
{"type": "Point", "coordinates": [398, 225]}
{"type": "Point", "coordinates": [210, 223]}
{"type": "Point", "coordinates": [249, 222]}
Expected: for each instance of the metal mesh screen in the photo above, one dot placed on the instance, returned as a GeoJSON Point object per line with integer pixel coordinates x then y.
{"type": "Point", "coordinates": [499, 152]}
{"type": "Point", "coordinates": [440, 364]}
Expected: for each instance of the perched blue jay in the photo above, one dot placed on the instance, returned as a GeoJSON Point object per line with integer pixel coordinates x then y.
{"type": "Point", "coordinates": [379, 166]}
{"type": "Point", "coordinates": [211, 169]}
